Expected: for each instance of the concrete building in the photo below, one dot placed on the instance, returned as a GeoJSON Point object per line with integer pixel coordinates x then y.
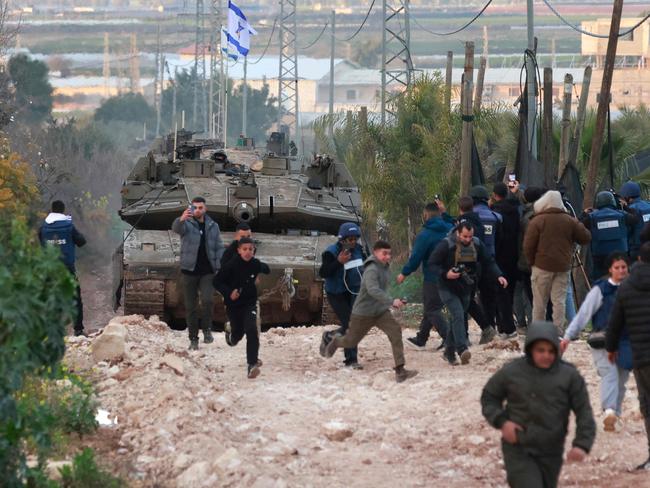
{"type": "Point", "coordinates": [634, 45]}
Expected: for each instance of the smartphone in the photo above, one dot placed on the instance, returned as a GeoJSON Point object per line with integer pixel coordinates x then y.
{"type": "Point", "coordinates": [512, 177]}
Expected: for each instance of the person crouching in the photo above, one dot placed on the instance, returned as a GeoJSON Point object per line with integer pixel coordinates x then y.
{"type": "Point", "coordinates": [236, 283]}
{"type": "Point", "coordinates": [372, 309]}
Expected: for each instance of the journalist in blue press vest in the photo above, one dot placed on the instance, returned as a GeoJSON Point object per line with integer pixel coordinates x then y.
{"type": "Point", "coordinates": [342, 267]}
{"type": "Point", "coordinates": [610, 230]}
{"type": "Point", "coordinates": [631, 195]}
{"type": "Point", "coordinates": [58, 230]}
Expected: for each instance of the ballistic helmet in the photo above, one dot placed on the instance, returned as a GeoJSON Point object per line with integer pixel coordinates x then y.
{"type": "Point", "coordinates": [479, 192]}
{"type": "Point", "coordinates": [630, 189]}
{"type": "Point", "coordinates": [605, 199]}
{"type": "Point", "coordinates": [349, 229]}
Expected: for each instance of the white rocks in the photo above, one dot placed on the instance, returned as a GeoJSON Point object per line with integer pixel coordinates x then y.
{"type": "Point", "coordinates": [174, 362]}
{"type": "Point", "coordinates": [198, 475]}
{"type": "Point", "coordinates": [229, 460]}
{"type": "Point", "coordinates": [337, 431]}
{"type": "Point", "coordinates": [111, 344]}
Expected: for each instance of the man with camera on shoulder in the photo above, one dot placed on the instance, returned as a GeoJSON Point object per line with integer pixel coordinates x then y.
{"type": "Point", "coordinates": [460, 260]}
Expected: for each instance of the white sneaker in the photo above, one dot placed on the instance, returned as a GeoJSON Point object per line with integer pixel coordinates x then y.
{"type": "Point", "coordinates": [610, 420]}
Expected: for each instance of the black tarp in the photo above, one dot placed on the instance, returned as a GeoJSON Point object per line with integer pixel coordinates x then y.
{"type": "Point", "coordinates": [478, 177]}
{"type": "Point", "coordinates": [528, 169]}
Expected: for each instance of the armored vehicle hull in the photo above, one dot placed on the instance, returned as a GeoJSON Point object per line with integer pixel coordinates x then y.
{"type": "Point", "coordinates": [294, 213]}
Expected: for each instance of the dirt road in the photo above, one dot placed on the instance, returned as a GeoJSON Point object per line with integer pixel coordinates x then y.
{"type": "Point", "coordinates": [194, 419]}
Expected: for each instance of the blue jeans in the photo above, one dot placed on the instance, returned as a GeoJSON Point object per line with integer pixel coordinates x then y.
{"type": "Point", "coordinates": [612, 381]}
{"type": "Point", "coordinates": [570, 303]}
{"type": "Point", "coordinates": [457, 307]}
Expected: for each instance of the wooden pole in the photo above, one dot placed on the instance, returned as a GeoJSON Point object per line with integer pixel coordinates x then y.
{"type": "Point", "coordinates": [581, 116]}
{"type": "Point", "coordinates": [466, 140]}
{"type": "Point", "coordinates": [450, 66]}
{"type": "Point", "coordinates": [547, 129]}
{"type": "Point", "coordinates": [468, 117]}
{"type": "Point", "coordinates": [478, 98]}
{"type": "Point", "coordinates": [565, 137]}
{"type": "Point", "coordinates": [603, 103]}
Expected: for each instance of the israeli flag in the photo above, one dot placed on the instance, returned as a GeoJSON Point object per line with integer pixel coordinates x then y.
{"type": "Point", "coordinates": [239, 31]}
{"type": "Point", "coordinates": [228, 48]}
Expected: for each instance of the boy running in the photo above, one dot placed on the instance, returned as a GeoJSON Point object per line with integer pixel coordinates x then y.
{"type": "Point", "coordinates": [539, 391]}
{"type": "Point", "coordinates": [236, 283]}
{"type": "Point", "coordinates": [372, 309]}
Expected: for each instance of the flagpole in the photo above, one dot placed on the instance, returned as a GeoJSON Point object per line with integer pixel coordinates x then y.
{"type": "Point", "coordinates": [225, 104]}
{"type": "Point", "coordinates": [245, 101]}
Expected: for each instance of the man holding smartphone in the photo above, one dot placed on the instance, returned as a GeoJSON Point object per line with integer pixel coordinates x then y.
{"type": "Point", "coordinates": [201, 251]}
{"type": "Point", "coordinates": [342, 267]}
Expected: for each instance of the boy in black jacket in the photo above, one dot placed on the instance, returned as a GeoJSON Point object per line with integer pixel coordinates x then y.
{"type": "Point", "coordinates": [236, 283]}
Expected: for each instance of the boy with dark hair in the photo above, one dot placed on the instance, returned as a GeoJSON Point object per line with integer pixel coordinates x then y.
{"type": "Point", "coordinates": [372, 309]}
{"type": "Point", "coordinates": [539, 391]}
{"type": "Point", "coordinates": [242, 230]}
{"type": "Point", "coordinates": [58, 230]}
{"type": "Point", "coordinates": [236, 283]}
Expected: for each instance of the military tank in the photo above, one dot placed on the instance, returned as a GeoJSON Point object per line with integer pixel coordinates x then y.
{"type": "Point", "coordinates": [294, 210]}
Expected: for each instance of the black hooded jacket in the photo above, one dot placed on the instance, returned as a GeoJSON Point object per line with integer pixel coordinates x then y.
{"type": "Point", "coordinates": [540, 400]}
{"type": "Point", "coordinates": [631, 311]}
{"type": "Point", "coordinates": [507, 245]}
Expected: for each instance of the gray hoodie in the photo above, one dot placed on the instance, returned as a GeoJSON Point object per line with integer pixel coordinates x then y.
{"type": "Point", "coordinates": [191, 239]}
{"type": "Point", "coordinates": [373, 299]}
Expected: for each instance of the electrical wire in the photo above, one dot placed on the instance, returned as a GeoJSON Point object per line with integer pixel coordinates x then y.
{"type": "Point", "coordinates": [457, 30]}
{"type": "Point", "coordinates": [347, 39]}
{"type": "Point", "coordinates": [591, 34]}
{"type": "Point", "coordinates": [317, 37]}
{"type": "Point", "coordinates": [275, 23]}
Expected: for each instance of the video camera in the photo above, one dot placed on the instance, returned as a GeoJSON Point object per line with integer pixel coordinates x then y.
{"type": "Point", "coordinates": [465, 274]}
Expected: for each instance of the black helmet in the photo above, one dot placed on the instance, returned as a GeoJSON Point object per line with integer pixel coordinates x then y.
{"type": "Point", "coordinates": [605, 199]}
{"type": "Point", "coordinates": [630, 189]}
{"type": "Point", "coordinates": [479, 192]}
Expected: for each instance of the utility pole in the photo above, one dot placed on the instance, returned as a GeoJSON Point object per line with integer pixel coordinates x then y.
{"type": "Point", "coordinates": [157, 85]}
{"type": "Point", "coordinates": [162, 87]}
{"type": "Point", "coordinates": [244, 128]}
{"type": "Point", "coordinates": [603, 104]}
{"type": "Point", "coordinates": [216, 70]}
{"type": "Point", "coordinates": [106, 69]}
{"type": "Point", "coordinates": [198, 44]}
{"type": "Point", "coordinates": [530, 85]}
{"type": "Point", "coordinates": [486, 44]}
{"type": "Point", "coordinates": [448, 79]}
{"type": "Point", "coordinates": [581, 116]}
{"type": "Point", "coordinates": [134, 65]}
{"type": "Point", "coordinates": [331, 87]}
{"type": "Point", "coordinates": [288, 67]}
{"type": "Point", "coordinates": [468, 118]}
{"type": "Point", "coordinates": [547, 129]}
{"type": "Point", "coordinates": [565, 135]}
{"type": "Point", "coordinates": [396, 62]}
{"type": "Point", "coordinates": [174, 121]}
{"type": "Point", "coordinates": [478, 98]}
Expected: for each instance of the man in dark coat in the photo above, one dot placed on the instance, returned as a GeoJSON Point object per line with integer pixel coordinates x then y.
{"type": "Point", "coordinates": [630, 313]}
{"type": "Point", "coordinates": [539, 391]}
{"type": "Point", "coordinates": [437, 225]}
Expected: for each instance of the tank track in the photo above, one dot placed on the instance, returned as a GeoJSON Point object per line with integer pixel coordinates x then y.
{"type": "Point", "coordinates": [144, 297]}
{"type": "Point", "coordinates": [328, 316]}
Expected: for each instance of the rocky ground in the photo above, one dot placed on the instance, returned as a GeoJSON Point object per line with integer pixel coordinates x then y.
{"type": "Point", "coordinates": [194, 419]}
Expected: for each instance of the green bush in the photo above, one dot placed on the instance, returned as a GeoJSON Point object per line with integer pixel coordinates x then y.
{"type": "Point", "coordinates": [84, 473]}
{"type": "Point", "coordinates": [36, 305]}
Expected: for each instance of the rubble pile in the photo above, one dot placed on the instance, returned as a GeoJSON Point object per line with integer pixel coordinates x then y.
{"type": "Point", "coordinates": [194, 419]}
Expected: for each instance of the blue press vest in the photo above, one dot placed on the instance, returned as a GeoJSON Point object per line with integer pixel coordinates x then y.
{"type": "Point", "coordinates": [608, 232]}
{"type": "Point", "coordinates": [489, 219]}
{"type": "Point", "coordinates": [60, 234]}
{"type": "Point", "coordinates": [601, 318]}
{"type": "Point", "coordinates": [643, 209]}
{"type": "Point", "coordinates": [351, 277]}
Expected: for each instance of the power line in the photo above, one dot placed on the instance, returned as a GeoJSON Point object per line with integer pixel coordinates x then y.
{"type": "Point", "coordinates": [591, 34]}
{"type": "Point", "coordinates": [275, 23]}
{"type": "Point", "coordinates": [457, 30]}
{"type": "Point", "coordinates": [361, 26]}
{"type": "Point", "coordinates": [317, 37]}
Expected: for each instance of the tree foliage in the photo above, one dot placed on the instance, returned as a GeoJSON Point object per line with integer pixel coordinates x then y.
{"type": "Point", "coordinates": [33, 92]}
{"type": "Point", "coordinates": [127, 107]}
{"type": "Point", "coordinates": [262, 109]}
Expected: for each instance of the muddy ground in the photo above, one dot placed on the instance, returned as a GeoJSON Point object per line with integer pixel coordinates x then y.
{"type": "Point", "coordinates": [194, 419]}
